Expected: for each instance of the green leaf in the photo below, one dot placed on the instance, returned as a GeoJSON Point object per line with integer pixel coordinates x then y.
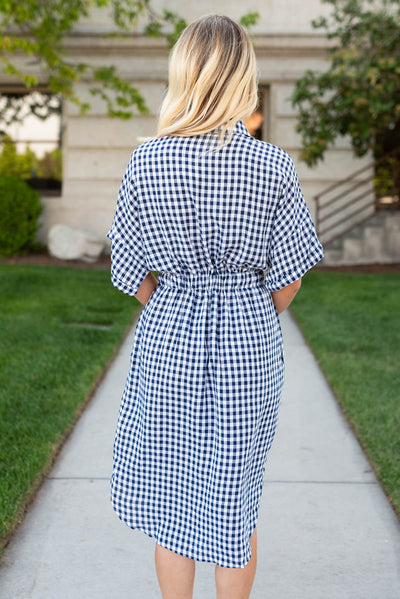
{"type": "Point", "coordinates": [358, 93]}
{"type": "Point", "coordinates": [39, 29]}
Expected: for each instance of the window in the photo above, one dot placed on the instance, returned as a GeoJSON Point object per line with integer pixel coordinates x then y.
{"type": "Point", "coordinates": [30, 138]}
{"type": "Point", "coordinates": [258, 123]}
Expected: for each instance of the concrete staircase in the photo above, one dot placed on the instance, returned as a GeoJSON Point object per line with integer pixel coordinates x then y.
{"type": "Point", "coordinates": [376, 241]}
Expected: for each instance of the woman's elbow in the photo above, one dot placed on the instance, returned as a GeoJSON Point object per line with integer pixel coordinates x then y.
{"type": "Point", "coordinates": [296, 285]}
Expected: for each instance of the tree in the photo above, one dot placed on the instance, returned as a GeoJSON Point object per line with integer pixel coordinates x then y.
{"type": "Point", "coordinates": [9, 160]}
{"type": "Point", "coordinates": [50, 166]}
{"type": "Point", "coordinates": [38, 28]}
{"type": "Point", "coordinates": [28, 164]}
{"type": "Point", "coordinates": [359, 94]}
{"type": "Point", "coordinates": [12, 164]}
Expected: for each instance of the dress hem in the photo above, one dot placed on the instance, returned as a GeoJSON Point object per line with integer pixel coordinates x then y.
{"type": "Point", "coordinates": [191, 554]}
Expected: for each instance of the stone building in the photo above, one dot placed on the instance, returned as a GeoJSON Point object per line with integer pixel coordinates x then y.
{"type": "Point", "coordinates": [96, 149]}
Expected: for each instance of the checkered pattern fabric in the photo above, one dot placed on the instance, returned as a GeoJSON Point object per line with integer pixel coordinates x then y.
{"type": "Point", "coordinates": [200, 406]}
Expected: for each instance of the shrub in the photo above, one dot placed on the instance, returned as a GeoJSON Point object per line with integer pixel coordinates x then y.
{"type": "Point", "coordinates": [20, 209]}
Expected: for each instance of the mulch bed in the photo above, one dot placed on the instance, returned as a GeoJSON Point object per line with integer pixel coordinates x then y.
{"type": "Point", "coordinates": [104, 263]}
{"type": "Point", "coordinates": [361, 268]}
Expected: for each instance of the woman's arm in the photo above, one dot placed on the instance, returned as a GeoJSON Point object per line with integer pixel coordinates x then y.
{"type": "Point", "coordinates": [146, 288]}
{"type": "Point", "coordinates": [283, 298]}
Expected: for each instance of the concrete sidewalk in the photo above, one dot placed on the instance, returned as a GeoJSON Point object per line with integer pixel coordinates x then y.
{"type": "Point", "coordinates": [325, 531]}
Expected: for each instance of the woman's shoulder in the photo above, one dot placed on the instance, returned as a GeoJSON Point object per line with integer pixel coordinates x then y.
{"type": "Point", "coordinates": [154, 146]}
{"type": "Point", "coordinates": [273, 155]}
{"type": "Point", "coordinates": [263, 152]}
{"type": "Point", "coordinates": [146, 144]}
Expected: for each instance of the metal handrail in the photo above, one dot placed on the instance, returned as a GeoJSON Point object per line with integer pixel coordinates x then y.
{"type": "Point", "coordinates": [343, 181]}
{"type": "Point", "coordinates": [340, 196]}
{"type": "Point", "coordinates": [341, 202]}
{"type": "Point", "coordinates": [347, 230]}
{"type": "Point", "coordinates": [344, 219]}
{"type": "Point", "coordinates": [338, 210]}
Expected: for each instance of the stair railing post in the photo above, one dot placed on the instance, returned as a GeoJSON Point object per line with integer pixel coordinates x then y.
{"type": "Point", "coordinates": [316, 200]}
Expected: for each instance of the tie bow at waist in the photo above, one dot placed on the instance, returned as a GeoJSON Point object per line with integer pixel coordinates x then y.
{"type": "Point", "coordinates": [217, 280]}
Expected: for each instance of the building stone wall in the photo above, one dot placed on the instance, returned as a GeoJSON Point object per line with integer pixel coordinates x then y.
{"type": "Point", "coordinates": [97, 148]}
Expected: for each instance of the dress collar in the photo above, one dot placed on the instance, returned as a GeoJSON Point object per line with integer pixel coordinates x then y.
{"type": "Point", "coordinates": [240, 128]}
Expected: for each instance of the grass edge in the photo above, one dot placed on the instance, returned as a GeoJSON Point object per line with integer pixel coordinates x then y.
{"type": "Point", "coordinates": [27, 502]}
{"type": "Point", "coordinates": [349, 421]}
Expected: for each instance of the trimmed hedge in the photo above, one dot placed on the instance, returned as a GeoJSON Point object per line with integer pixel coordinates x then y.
{"type": "Point", "coordinates": [20, 209]}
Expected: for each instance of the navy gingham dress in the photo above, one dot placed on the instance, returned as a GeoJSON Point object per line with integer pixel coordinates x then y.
{"type": "Point", "coordinates": [199, 411]}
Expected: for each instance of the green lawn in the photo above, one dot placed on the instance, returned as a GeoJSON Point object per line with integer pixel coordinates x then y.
{"type": "Point", "coordinates": [352, 323]}
{"type": "Point", "coordinates": [51, 356]}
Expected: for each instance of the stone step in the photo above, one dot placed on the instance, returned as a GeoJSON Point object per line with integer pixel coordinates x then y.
{"type": "Point", "coordinates": [332, 258]}
{"type": "Point", "coordinates": [379, 218]}
{"type": "Point", "coordinates": [393, 222]}
{"type": "Point", "coordinates": [353, 250]}
{"type": "Point", "coordinates": [357, 232]}
{"type": "Point", "coordinates": [335, 245]}
{"type": "Point", "coordinates": [375, 241]}
{"type": "Point", "coordinates": [392, 243]}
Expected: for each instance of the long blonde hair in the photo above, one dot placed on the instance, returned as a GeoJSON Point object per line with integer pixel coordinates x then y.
{"type": "Point", "coordinates": [212, 80]}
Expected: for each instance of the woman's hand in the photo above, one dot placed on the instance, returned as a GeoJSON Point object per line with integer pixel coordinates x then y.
{"type": "Point", "coordinates": [283, 298]}
{"type": "Point", "coordinates": [146, 288]}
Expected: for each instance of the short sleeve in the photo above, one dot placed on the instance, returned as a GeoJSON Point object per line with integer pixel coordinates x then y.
{"type": "Point", "coordinates": [294, 246]}
{"type": "Point", "coordinates": [128, 260]}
